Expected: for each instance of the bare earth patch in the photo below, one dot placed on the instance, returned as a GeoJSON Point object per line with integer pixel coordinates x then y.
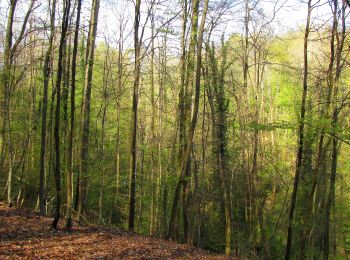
{"type": "Point", "coordinates": [24, 234]}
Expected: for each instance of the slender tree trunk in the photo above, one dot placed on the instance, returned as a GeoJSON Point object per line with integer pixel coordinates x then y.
{"type": "Point", "coordinates": [340, 37]}
{"type": "Point", "coordinates": [321, 151]}
{"type": "Point", "coordinates": [6, 79]}
{"type": "Point", "coordinates": [218, 104]}
{"type": "Point", "coordinates": [188, 90]}
{"type": "Point", "coordinates": [7, 82]}
{"type": "Point", "coordinates": [65, 19]}
{"type": "Point", "coordinates": [183, 114]}
{"type": "Point", "coordinates": [135, 100]}
{"type": "Point", "coordinates": [82, 66]}
{"type": "Point", "coordinates": [119, 92]}
{"type": "Point", "coordinates": [186, 157]}
{"type": "Point", "coordinates": [85, 121]}
{"type": "Point", "coordinates": [162, 96]}
{"type": "Point", "coordinates": [72, 118]}
{"type": "Point", "coordinates": [141, 165]}
{"type": "Point", "coordinates": [102, 152]}
{"type": "Point", "coordinates": [301, 136]}
{"type": "Point", "coordinates": [331, 191]}
{"type": "Point", "coordinates": [244, 106]}
{"type": "Point", "coordinates": [153, 137]}
{"type": "Point", "coordinates": [46, 76]}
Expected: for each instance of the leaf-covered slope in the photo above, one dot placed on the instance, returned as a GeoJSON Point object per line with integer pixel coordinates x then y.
{"type": "Point", "coordinates": [24, 234]}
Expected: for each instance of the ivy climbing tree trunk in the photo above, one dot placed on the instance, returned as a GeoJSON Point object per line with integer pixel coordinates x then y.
{"type": "Point", "coordinates": [219, 109]}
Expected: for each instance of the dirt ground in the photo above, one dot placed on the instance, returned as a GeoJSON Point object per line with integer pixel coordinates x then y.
{"type": "Point", "coordinates": [25, 234]}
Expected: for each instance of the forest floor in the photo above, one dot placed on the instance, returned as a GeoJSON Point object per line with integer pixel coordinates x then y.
{"type": "Point", "coordinates": [25, 234]}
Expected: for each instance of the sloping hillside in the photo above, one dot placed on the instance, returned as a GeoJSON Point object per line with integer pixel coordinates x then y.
{"type": "Point", "coordinates": [24, 234]}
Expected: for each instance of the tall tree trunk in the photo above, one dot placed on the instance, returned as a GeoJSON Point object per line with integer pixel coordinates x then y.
{"type": "Point", "coordinates": [301, 136]}
{"type": "Point", "coordinates": [340, 38]}
{"type": "Point", "coordinates": [331, 190]}
{"type": "Point", "coordinates": [162, 108]}
{"type": "Point", "coordinates": [7, 80]}
{"type": "Point", "coordinates": [321, 150]}
{"type": "Point", "coordinates": [119, 93]}
{"type": "Point", "coordinates": [133, 159]}
{"type": "Point", "coordinates": [57, 171]}
{"type": "Point", "coordinates": [46, 76]}
{"type": "Point", "coordinates": [218, 104]}
{"type": "Point", "coordinates": [153, 137]}
{"type": "Point", "coordinates": [102, 150]}
{"type": "Point", "coordinates": [186, 156]}
{"type": "Point", "coordinates": [188, 90]}
{"type": "Point", "coordinates": [72, 118]}
{"type": "Point", "coordinates": [85, 121]}
{"type": "Point", "coordinates": [82, 66]}
{"type": "Point", "coordinates": [183, 113]}
{"type": "Point", "coordinates": [182, 126]}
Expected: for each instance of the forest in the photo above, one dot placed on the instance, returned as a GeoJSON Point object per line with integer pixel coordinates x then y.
{"type": "Point", "coordinates": [221, 124]}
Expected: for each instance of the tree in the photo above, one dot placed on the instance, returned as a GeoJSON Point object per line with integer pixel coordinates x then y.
{"type": "Point", "coordinates": [186, 156]}
{"type": "Point", "coordinates": [57, 171]}
{"type": "Point", "coordinates": [334, 80]}
{"type": "Point", "coordinates": [219, 109]}
{"type": "Point", "coordinates": [301, 135]}
{"type": "Point", "coordinates": [46, 76]}
{"type": "Point", "coordinates": [133, 163]}
{"type": "Point", "coordinates": [85, 121]}
{"type": "Point", "coordinates": [184, 109]}
{"type": "Point", "coordinates": [72, 118]}
{"type": "Point", "coordinates": [7, 82]}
